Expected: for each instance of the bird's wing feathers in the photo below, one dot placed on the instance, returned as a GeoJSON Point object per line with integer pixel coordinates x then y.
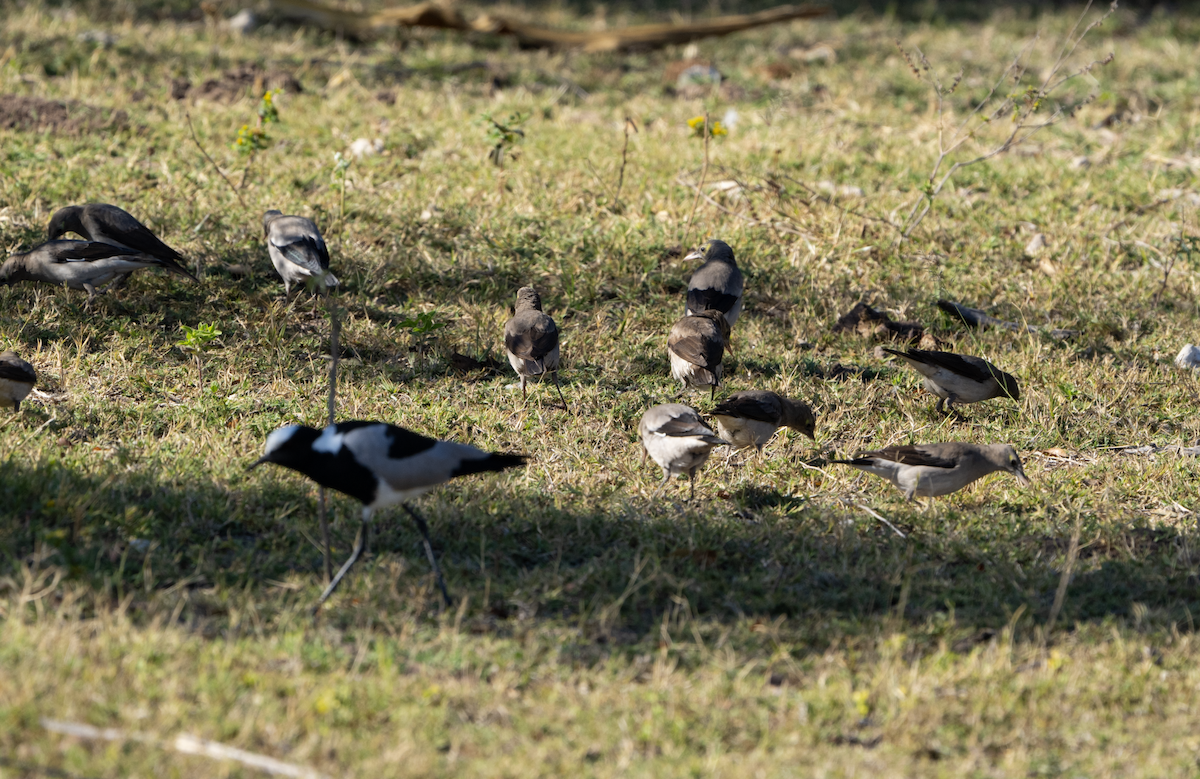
{"type": "Point", "coordinates": [21, 372]}
{"type": "Point", "coordinates": [90, 251]}
{"type": "Point", "coordinates": [306, 251]}
{"type": "Point", "coordinates": [688, 341]}
{"type": "Point", "coordinates": [116, 224]}
{"type": "Point", "coordinates": [531, 335]}
{"type": "Point", "coordinates": [745, 405]}
{"type": "Point", "coordinates": [701, 299]}
{"type": "Point", "coordinates": [908, 455]}
{"type": "Point", "coordinates": [972, 368]}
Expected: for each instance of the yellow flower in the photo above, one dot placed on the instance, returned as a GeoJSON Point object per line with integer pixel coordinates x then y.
{"type": "Point", "coordinates": [717, 129]}
{"type": "Point", "coordinates": [696, 122]}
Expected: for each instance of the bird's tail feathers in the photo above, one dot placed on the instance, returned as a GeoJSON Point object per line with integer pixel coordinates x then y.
{"type": "Point", "coordinates": [497, 461]}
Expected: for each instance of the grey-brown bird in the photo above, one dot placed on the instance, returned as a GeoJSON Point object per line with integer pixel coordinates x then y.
{"type": "Point", "coordinates": [531, 340]}
{"type": "Point", "coordinates": [956, 378]}
{"type": "Point", "coordinates": [678, 440]}
{"type": "Point", "coordinates": [696, 347]}
{"type": "Point", "coordinates": [297, 251]}
{"type": "Point", "coordinates": [930, 470]}
{"type": "Point", "coordinates": [86, 265]}
{"type": "Point", "coordinates": [110, 224]}
{"type": "Point", "coordinates": [17, 378]}
{"type": "Point", "coordinates": [750, 417]}
{"type": "Point", "coordinates": [717, 284]}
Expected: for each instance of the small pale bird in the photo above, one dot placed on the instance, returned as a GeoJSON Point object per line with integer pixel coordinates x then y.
{"type": "Point", "coordinates": [717, 284]}
{"type": "Point", "coordinates": [956, 378]}
{"type": "Point", "coordinates": [380, 465]}
{"type": "Point", "coordinates": [696, 347]}
{"type": "Point", "coordinates": [110, 224]}
{"type": "Point", "coordinates": [17, 378]}
{"type": "Point", "coordinates": [531, 340]}
{"type": "Point", "coordinates": [86, 265]}
{"type": "Point", "coordinates": [930, 470]}
{"type": "Point", "coordinates": [751, 417]}
{"type": "Point", "coordinates": [297, 250]}
{"type": "Point", "coordinates": [678, 440]}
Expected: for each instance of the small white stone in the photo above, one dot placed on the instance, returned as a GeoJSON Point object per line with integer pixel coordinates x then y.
{"type": "Point", "coordinates": [363, 147]}
{"type": "Point", "coordinates": [243, 21]}
{"type": "Point", "coordinates": [1188, 357]}
{"type": "Point", "coordinates": [1036, 245]}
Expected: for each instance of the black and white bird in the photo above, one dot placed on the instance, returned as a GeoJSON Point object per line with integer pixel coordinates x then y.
{"type": "Point", "coordinates": [110, 224]}
{"type": "Point", "coordinates": [931, 470]}
{"type": "Point", "coordinates": [380, 465]}
{"type": "Point", "coordinates": [297, 250]}
{"type": "Point", "coordinates": [751, 417]}
{"type": "Point", "coordinates": [696, 346]}
{"type": "Point", "coordinates": [531, 340]}
{"type": "Point", "coordinates": [86, 265]}
{"type": "Point", "coordinates": [678, 440]}
{"type": "Point", "coordinates": [717, 284]}
{"type": "Point", "coordinates": [17, 378]}
{"type": "Point", "coordinates": [956, 378]}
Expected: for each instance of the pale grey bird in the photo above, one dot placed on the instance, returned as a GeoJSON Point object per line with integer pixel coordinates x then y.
{"type": "Point", "coordinates": [380, 465]}
{"type": "Point", "coordinates": [531, 340]}
{"type": "Point", "coordinates": [717, 284]}
{"type": "Point", "coordinates": [17, 378]}
{"type": "Point", "coordinates": [678, 440]}
{"type": "Point", "coordinates": [956, 378]}
{"type": "Point", "coordinates": [297, 250]}
{"type": "Point", "coordinates": [930, 470]}
{"type": "Point", "coordinates": [86, 265]}
{"type": "Point", "coordinates": [110, 224]}
{"type": "Point", "coordinates": [696, 347]}
{"type": "Point", "coordinates": [751, 417]}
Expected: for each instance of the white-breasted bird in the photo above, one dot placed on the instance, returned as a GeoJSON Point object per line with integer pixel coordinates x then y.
{"type": "Point", "coordinates": [678, 440]}
{"type": "Point", "coordinates": [751, 417]}
{"type": "Point", "coordinates": [380, 465]}
{"type": "Point", "coordinates": [17, 378]}
{"type": "Point", "coordinates": [297, 250]}
{"type": "Point", "coordinates": [930, 470]}
{"type": "Point", "coordinates": [696, 347]}
{"type": "Point", "coordinates": [717, 284]}
{"type": "Point", "coordinates": [109, 224]}
{"type": "Point", "coordinates": [531, 340]}
{"type": "Point", "coordinates": [957, 378]}
{"type": "Point", "coordinates": [86, 265]}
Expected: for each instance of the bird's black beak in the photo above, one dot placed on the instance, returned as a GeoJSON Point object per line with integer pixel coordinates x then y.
{"type": "Point", "coordinates": [257, 463]}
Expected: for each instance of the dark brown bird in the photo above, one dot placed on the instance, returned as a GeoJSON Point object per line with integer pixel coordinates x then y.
{"type": "Point", "coordinates": [112, 225]}
{"type": "Point", "coordinates": [531, 340]}
{"type": "Point", "coordinates": [956, 378]}
{"type": "Point", "coordinates": [751, 417]}
{"type": "Point", "coordinates": [717, 284]}
{"type": "Point", "coordinates": [696, 346]}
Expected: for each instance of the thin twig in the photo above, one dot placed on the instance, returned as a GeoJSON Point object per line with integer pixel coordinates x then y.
{"type": "Point", "coordinates": [1061, 594]}
{"type": "Point", "coordinates": [882, 519]}
{"type": "Point", "coordinates": [624, 152]}
{"type": "Point", "coordinates": [696, 200]}
{"type": "Point", "coordinates": [335, 329]}
{"type": "Point", "coordinates": [216, 167]}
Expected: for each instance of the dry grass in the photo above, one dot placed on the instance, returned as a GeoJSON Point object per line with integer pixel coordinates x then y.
{"type": "Point", "coordinates": [773, 627]}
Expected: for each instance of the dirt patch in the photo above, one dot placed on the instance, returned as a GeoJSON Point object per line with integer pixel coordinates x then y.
{"type": "Point", "coordinates": [244, 81]}
{"type": "Point", "coordinates": [61, 117]}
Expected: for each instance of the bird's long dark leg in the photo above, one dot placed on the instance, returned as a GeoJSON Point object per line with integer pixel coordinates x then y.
{"type": "Point", "coordinates": [560, 395]}
{"type": "Point", "coordinates": [941, 406]}
{"type": "Point", "coordinates": [691, 485]}
{"type": "Point", "coordinates": [429, 552]}
{"type": "Point", "coordinates": [524, 393]}
{"type": "Point", "coordinates": [360, 544]}
{"type": "Point", "coordinates": [662, 486]}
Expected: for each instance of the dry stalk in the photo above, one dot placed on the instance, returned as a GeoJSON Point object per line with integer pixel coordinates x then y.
{"type": "Point", "coordinates": [699, 188]}
{"type": "Point", "coordinates": [216, 167]}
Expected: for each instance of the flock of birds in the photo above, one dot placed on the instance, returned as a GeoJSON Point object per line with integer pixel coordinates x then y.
{"type": "Point", "coordinates": [381, 464]}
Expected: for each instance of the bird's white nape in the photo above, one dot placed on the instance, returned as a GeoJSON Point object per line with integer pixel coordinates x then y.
{"type": "Point", "coordinates": [279, 437]}
{"type": "Point", "coordinates": [330, 441]}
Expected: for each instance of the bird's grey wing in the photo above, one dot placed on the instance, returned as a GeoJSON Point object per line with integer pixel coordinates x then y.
{"type": "Point", "coordinates": [682, 426]}
{"type": "Point", "coordinates": [17, 371]}
{"type": "Point", "coordinates": [531, 337]}
{"type": "Point", "coordinates": [909, 455]}
{"type": "Point", "coordinates": [301, 245]}
{"type": "Point", "coordinates": [86, 251]}
{"type": "Point", "coordinates": [972, 368]}
{"type": "Point", "coordinates": [698, 350]}
{"type": "Point", "coordinates": [759, 407]}
{"type": "Point", "coordinates": [105, 221]}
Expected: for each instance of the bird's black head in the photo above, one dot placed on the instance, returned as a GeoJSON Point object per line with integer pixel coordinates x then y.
{"type": "Point", "coordinates": [65, 220]}
{"type": "Point", "coordinates": [528, 300]}
{"type": "Point", "coordinates": [291, 447]}
{"type": "Point", "coordinates": [714, 250]}
{"type": "Point", "coordinates": [321, 456]}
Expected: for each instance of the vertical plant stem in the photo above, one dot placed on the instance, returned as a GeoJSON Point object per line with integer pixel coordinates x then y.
{"type": "Point", "coordinates": [1061, 594]}
{"type": "Point", "coordinates": [699, 188]}
{"type": "Point", "coordinates": [335, 329]}
{"type": "Point", "coordinates": [216, 167]}
{"type": "Point", "coordinates": [624, 155]}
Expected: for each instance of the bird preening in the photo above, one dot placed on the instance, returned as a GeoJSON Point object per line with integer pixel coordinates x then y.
{"type": "Point", "coordinates": [676, 438]}
{"type": "Point", "coordinates": [379, 465]}
{"type": "Point", "coordinates": [83, 265]}
{"type": "Point", "coordinates": [297, 251]}
{"type": "Point", "coordinates": [113, 225]}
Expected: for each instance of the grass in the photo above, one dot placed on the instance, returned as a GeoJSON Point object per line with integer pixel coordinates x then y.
{"type": "Point", "coordinates": [773, 627]}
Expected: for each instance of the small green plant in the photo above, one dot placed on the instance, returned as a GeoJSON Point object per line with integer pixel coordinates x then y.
{"type": "Point", "coordinates": [341, 164]}
{"type": "Point", "coordinates": [422, 326]}
{"type": "Point", "coordinates": [196, 340]}
{"type": "Point", "coordinates": [503, 136]}
{"type": "Point", "coordinates": [252, 140]}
